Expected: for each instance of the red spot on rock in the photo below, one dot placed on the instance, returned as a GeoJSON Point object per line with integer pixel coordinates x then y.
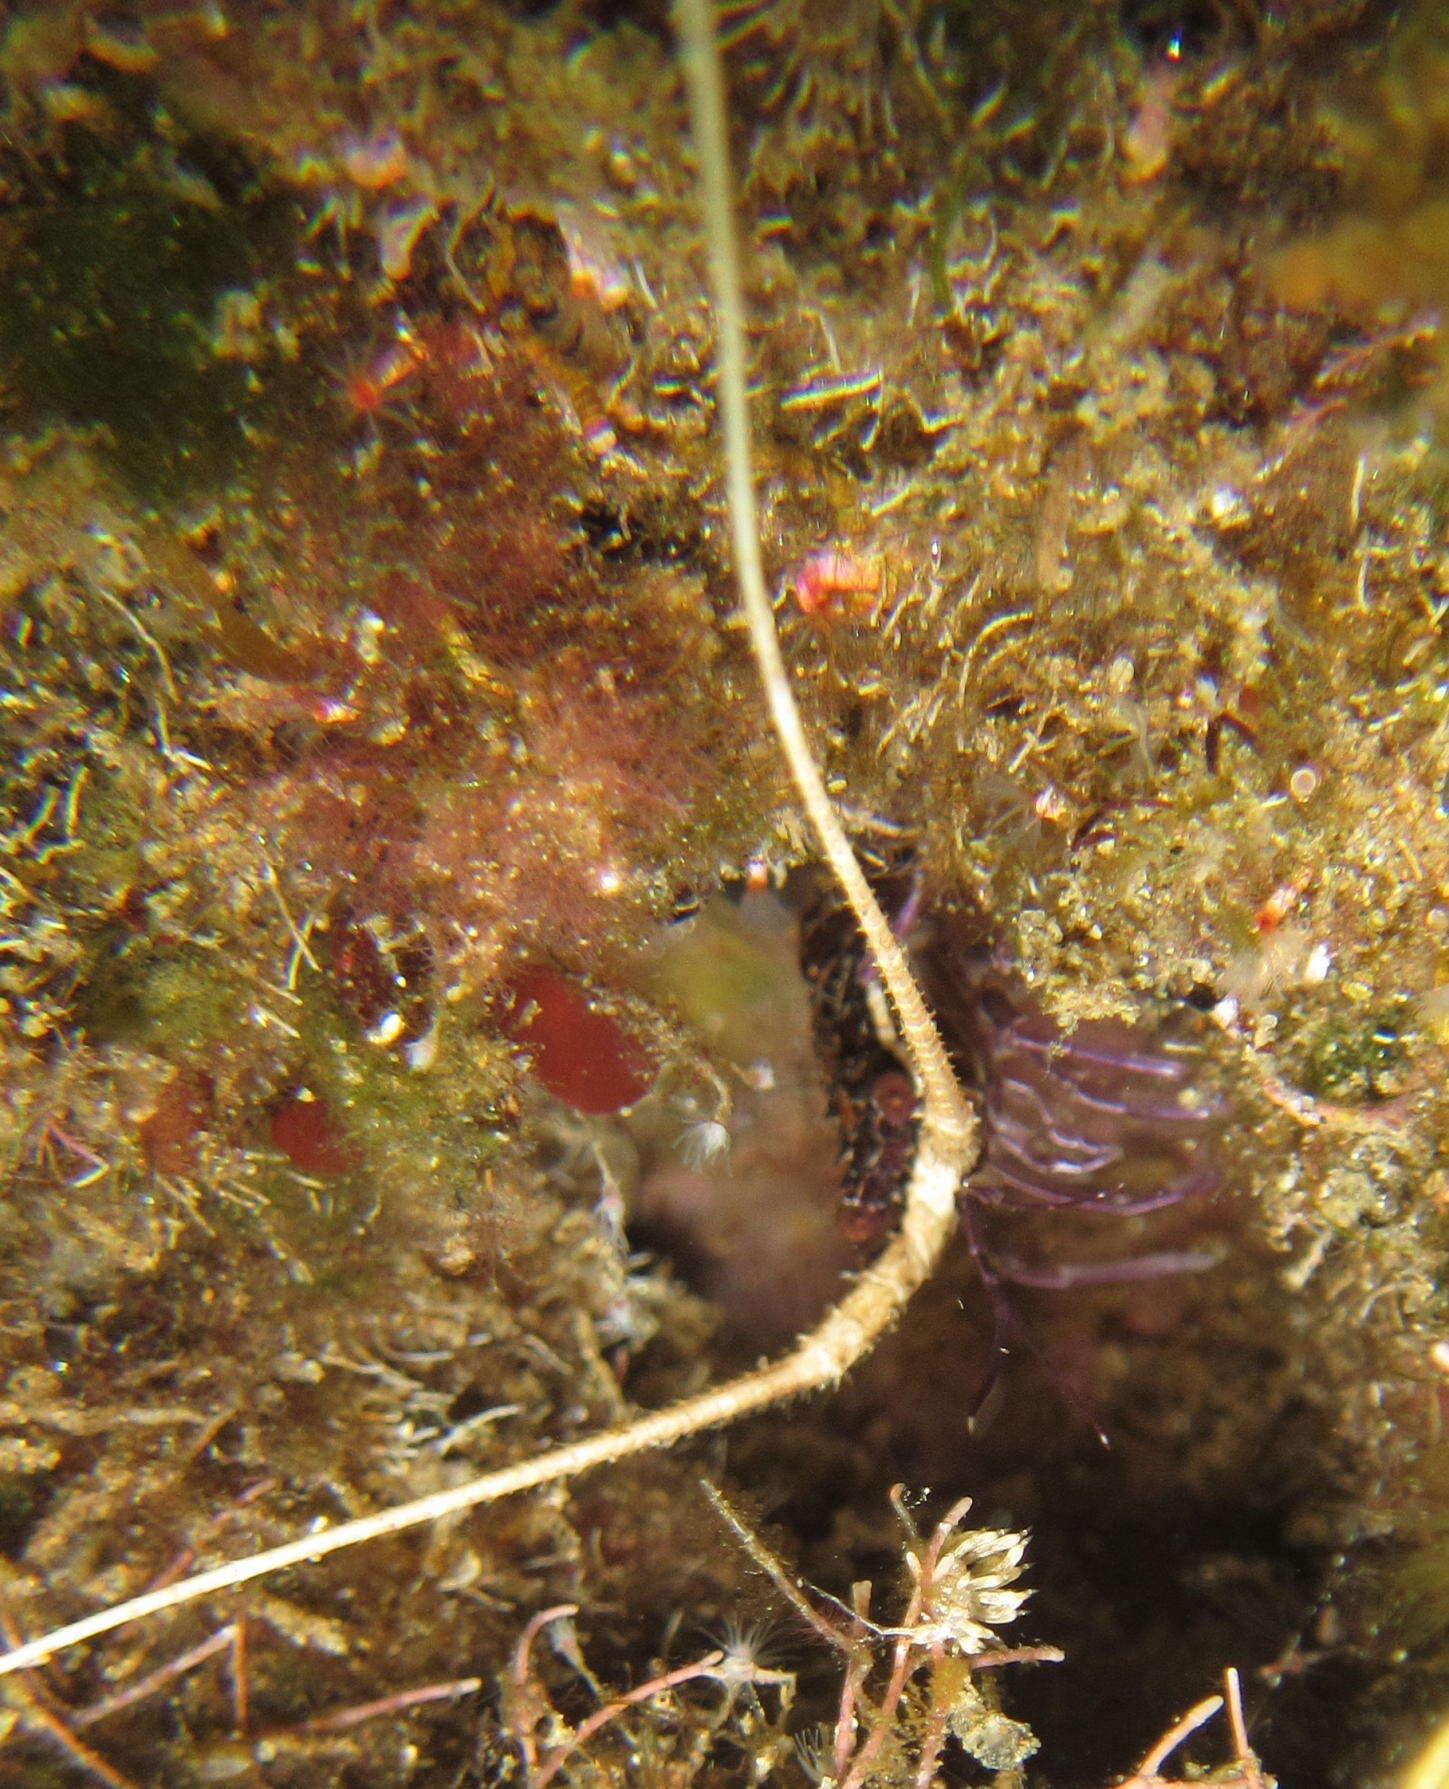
{"type": "Point", "coordinates": [581, 1055]}
{"type": "Point", "coordinates": [301, 1126]}
{"type": "Point", "coordinates": [170, 1131]}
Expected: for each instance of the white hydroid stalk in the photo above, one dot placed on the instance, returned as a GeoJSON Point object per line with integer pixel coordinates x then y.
{"type": "Point", "coordinates": [947, 1124]}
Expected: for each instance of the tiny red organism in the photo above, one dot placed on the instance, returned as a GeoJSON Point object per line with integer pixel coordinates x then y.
{"type": "Point", "coordinates": [375, 161]}
{"type": "Point", "coordinates": [366, 388]}
{"type": "Point", "coordinates": [829, 586]}
{"type": "Point", "coordinates": [1279, 904]}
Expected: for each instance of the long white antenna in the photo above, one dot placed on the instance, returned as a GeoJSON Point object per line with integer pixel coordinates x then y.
{"type": "Point", "coordinates": [948, 1128]}
{"type": "Point", "coordinates": [706, 90]}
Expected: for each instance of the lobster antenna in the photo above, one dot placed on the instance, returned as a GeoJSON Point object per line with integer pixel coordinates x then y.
{"type": "Point", "coordinates": [948, 1127]}
{"type": "Point", "coordinates": [707, 107]}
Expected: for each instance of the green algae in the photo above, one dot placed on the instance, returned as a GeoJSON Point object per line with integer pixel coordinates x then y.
{"type": "Point", "coordinates": [121, 263]}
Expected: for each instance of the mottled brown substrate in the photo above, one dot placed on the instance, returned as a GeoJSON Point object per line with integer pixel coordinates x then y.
{"type": "Point", "coordinates": [367, 641]}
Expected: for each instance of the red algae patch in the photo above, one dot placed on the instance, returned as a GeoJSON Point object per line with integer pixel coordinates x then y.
{"type": "Point", "coordinates": [304, 1129]}
{"type": "Point", "coordinates": [582, 1056]}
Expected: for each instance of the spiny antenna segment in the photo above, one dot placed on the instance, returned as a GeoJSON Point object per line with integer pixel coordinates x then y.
{"type": "Point", "coordinates": [947, 1123]}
